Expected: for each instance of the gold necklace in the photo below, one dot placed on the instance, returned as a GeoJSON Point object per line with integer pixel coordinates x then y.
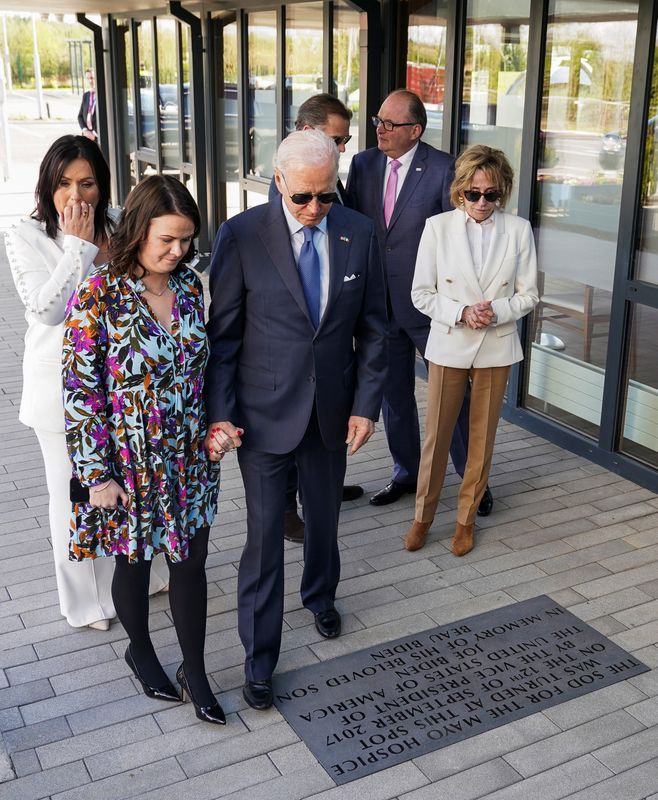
{"type": "Point", "coordinates": [156, 294]}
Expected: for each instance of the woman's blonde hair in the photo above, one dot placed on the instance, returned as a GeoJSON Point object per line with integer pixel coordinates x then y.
{"type": "Point", "coordinates": [494, 162]}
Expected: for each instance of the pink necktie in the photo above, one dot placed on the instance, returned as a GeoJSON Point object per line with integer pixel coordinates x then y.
{"type": "Point", "coordinates": [90, 110]}
{"type": "Point", "coordinates": [391, 191]}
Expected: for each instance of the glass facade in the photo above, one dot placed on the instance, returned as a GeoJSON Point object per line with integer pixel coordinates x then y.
{"type": "Point", "coordinates": [261, 92]}
{"type": "Point", "coordinates": [562, 120]}
{"type": "Point", "coordinates": [495, 59]}
{"type": "Point", "coordinates": [584, 120]}
{"type": "Point", "coordinates": [304, 68]}
{"type": "Point", "coordinates": [426, 62]}
{"type": "Point", "coordinates": [347, 72]}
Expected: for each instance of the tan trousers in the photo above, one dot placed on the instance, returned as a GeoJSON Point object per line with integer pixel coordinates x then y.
{"type": "Point", "coordinates": [445, 395]}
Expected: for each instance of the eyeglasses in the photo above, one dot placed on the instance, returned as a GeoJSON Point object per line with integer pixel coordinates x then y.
{"type": "Point", "coordinates": [388, 125]}
{"type": "Point", "coordinates": [473, 196]}
{"type": "Point", "coordinates": [341, 139]}
{"type": "Point", "coordinates": [302, 198]}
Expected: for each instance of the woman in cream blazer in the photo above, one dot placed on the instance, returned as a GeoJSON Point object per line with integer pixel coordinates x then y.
{"type": "Point", "coordinates": [49, 254]}
{"type": "Point", "coordinates": [475, 277]}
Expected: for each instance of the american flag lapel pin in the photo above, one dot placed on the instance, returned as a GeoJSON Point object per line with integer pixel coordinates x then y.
{"type": "Point", "coordinates": [345, 239]}
{"type": "Point", "coordinates": [419, 169]}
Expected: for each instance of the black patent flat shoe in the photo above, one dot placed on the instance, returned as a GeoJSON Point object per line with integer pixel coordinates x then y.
{"type": "Point", "coordinates": [166, 692]}
{"type": "Point", "coordinates": [212, 713]}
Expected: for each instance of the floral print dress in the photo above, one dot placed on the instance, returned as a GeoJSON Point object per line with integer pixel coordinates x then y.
{"type": "Point", "coordinates": [133, 403]}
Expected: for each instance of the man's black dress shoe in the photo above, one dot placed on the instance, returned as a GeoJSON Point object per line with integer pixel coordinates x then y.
{"type": "Point", "coordinates": [164, 692]}
{"type": "Point", "coordinates": [389, 494]}
{"type": "Point", "coordinates": [212, 713]}
{"type": "Point", "coordinates": [486, 504]}
{"type": "Point", "coordinates": [327, 623]}
{"type": "Point", "coordinates": [293, 527]}
{"type": "Point", "coordinates": [258, 694]}
{"type": "Point", "coordinates": [352, 492]}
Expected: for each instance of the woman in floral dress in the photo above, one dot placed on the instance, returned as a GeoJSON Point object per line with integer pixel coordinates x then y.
{"type": "Point", "coordinates": [134, 356]}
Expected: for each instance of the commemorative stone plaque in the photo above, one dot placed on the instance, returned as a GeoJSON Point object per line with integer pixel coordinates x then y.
{"type": "Point", "coordinates": [369, 710]}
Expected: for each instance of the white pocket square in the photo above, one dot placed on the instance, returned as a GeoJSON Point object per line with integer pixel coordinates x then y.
{"type": "Point", "coordinates": [351, 277]}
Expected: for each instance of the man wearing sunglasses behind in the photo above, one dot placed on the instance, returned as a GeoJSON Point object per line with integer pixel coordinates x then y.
{"type": "Point", "coordinates": [297, 328]}
{"type": "Point", "coordinates": [399, 184]}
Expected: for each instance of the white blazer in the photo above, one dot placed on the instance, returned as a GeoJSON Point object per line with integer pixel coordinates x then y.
{"type": "Point", "coordinates": [445, 280]}
{"type": "Point", "coordinates": [46, 272]}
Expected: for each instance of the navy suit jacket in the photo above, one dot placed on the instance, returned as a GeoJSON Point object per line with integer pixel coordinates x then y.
{"type": "Point", "coordinates": [268, 364]}
{"type": "Point", "coordinates": [425, 192]}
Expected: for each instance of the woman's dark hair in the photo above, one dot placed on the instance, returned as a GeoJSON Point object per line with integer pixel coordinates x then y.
{"type": "Point", "coordinates": [60, 154]}
{"type": "Point", "coordinates": [155, 196]}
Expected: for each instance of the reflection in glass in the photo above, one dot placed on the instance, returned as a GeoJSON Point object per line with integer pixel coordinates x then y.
{"type": "Point", "coordinates": [303, 57]}
{"type": "Point", "coordinates": [640, 432]}
{"type": "Point", "coordinates": [646, 263]}
{"type": "Point", "coordinates": [146, 84]}
{"type": "Point", "coordinates": [168, 99]}
{"type": "Point", "coordinates": [185, 35]}
{"type": "Point", "coordinates": [127, 106]}
{"type": "Point", "coordinates": [228, 119]}
{"type": "Point", "coordinates": [426, 61]}
{"type": "Point", "coordinates": [494, 79]}
{"type": "Point", "coordinates": [261, 59]}
{"type": "Point", "coordinates": [347, 64]}
{"type": "Point", "coordinates": [587, 81]}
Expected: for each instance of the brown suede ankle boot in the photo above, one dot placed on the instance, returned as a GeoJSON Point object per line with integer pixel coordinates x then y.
{"type": "Point", "coordinates": [416, 536]}
{"type": "Point", "coordinates": [462, 541]}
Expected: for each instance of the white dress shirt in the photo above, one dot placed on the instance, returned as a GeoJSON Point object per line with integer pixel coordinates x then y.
{"type": "Point", "coordinates": [479, 239]}
{"type": "Point", "coordinates": [405, 162]}
{"type": "Point", "coordinates": [321, 242]}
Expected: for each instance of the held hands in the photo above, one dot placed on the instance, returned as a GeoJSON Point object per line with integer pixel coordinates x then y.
{"type": "Point", "coordinates": [222, 437]}
{"type": "Point", "coordinates": [479, 315]}
{"type": "Point", "coordinates": [359, 430]}
{"type": "Point", "coordinates": [77, 219]}
{"type": "Point", "coordinates": [107, 495]}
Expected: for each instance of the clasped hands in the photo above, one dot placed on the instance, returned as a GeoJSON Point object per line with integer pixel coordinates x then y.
{"type": "Point", "coordinates": [222, 437]}
{"type": "Point", "coordinates": [480, 315]}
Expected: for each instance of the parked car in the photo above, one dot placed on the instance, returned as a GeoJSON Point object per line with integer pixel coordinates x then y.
{"type": "Point", "coordinates": [612, 150]}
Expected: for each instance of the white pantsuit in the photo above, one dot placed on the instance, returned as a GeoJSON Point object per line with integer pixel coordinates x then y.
{"type": "Point", "coordinates": [46, 272]}
{"type": "Point", "coordinates": [445, 281]}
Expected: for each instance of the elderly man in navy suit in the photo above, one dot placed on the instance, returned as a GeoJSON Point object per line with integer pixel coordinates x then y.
{"type": "Point", "coordinates": [297, 333]}
{"type": "Point", "coordinates": [399, 184]}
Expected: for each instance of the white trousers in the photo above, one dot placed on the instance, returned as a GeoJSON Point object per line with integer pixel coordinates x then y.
{"type": "Point", "coordinates": [84, 587]}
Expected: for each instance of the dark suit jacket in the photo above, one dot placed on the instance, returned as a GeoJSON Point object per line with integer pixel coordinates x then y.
{"type": "Point", "coordinates": [82, 114]}
{"type": "Point", "coordinates": [268, 365]}
{"type": "Point", "coordinates": [425, 192]}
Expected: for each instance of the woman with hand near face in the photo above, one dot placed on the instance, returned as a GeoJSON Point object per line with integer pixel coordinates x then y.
{"type": "Point", "coordinates": [50, 253]}
{"type": "Point", "coordinates": [135, 352]}
{"type": "Point", "coordinates": [475, 277]}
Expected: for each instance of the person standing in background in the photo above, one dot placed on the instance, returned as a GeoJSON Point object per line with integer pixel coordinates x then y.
{"type": "Point", "coordinates": [87, 113]}
{"type": "Point", "coordinates": [399, 184]}
{"type": "Point", "coordinates": [49, 253]}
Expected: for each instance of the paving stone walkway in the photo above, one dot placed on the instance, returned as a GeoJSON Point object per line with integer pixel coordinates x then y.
{"type": "Point", "coordinates": [75, 724]}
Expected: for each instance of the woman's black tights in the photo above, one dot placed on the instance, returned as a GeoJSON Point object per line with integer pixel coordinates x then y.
{"type": "Point", "coordinates": [188, 599]}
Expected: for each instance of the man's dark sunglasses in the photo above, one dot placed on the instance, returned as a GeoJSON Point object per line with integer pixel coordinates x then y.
{"type": "Point", "coordinates": [388, 125]}
{"type": "Point", "coordinates": [302, 198]}
{"type": "Point", "coordinates": [341, 139]}
{"type": "Point", "coordinates": [473, 196]}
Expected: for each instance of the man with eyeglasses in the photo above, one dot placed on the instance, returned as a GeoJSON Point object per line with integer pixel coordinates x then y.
{"type": "Point", "coordinates": [328, 114]}
{"type": "Point", "coordinates": [297, 330]}
{"type": "Point", "coordinates": [399, 184]}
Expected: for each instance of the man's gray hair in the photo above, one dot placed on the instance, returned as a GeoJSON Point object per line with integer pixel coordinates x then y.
{"type": "Point", "coordinates": [310, 148]}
